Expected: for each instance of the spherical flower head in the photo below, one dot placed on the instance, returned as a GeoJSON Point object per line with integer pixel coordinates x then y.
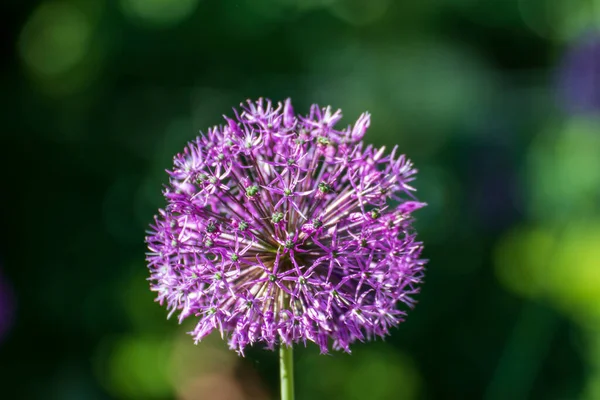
{"type": "Point", "coordinates": [282, 229]}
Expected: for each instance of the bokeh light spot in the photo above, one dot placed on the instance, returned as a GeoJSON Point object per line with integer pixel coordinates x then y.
{"type": "Point", "coordinates": [578, 78]}
{"type": "Point", "coordinates": [196, 365]}
{"type": "Point", "coordinates": [521, 259]}
{"type": "Point", "coordinates": [306, 4]}
{"type": "Point", "coordinates": [559, 19]}
{"type": "Point", "coordinates": [137, 368]}
{"type": "Point", "coordinates": [556, 263]}
{"type": "Point", "coordinates": [564, 171]}
{"type": "Point", "coordinates": [389, 373]}
{"type": "Point", "coordinates": [158, 13]}
{"type": "Point", "coordinates": [575, 272]}
{"type": "Point", "coordinates": [55, 39]}
{"type": "Point", "coordinates": [359, 12]}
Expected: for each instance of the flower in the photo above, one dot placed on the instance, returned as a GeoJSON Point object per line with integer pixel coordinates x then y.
{"type": "Point", "coordinates": [282, 229]}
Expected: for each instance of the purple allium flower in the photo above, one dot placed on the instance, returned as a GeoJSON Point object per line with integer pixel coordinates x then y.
{"type": "Point", "coordinates": [282, 229]}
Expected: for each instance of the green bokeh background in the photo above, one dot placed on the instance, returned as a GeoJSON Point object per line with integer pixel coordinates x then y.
{"type": "Point", "coordinates": [97, 95]}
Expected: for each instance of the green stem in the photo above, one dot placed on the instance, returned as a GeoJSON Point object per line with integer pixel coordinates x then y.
{"type": "Point", "coordinates": [286, 372]}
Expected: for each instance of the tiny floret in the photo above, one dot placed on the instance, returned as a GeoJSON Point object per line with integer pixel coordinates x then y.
{"type": "Point", "coordinates": [281, 228]}
{"type": "Point", "coordinates": [252, 191]}
{"type": "Point", "coordinates": [277, 217]}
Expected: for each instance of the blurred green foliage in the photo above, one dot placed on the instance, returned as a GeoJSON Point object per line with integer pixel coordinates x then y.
{"type": "Point", "coordinates": [98, 95]}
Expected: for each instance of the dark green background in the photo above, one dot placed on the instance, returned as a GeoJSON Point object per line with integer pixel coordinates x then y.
{"type": "Point", "coordinates": [97, 96]}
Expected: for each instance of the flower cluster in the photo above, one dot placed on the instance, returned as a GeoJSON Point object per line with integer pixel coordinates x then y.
{"type": "Point", "coordinates": [282, 229]}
